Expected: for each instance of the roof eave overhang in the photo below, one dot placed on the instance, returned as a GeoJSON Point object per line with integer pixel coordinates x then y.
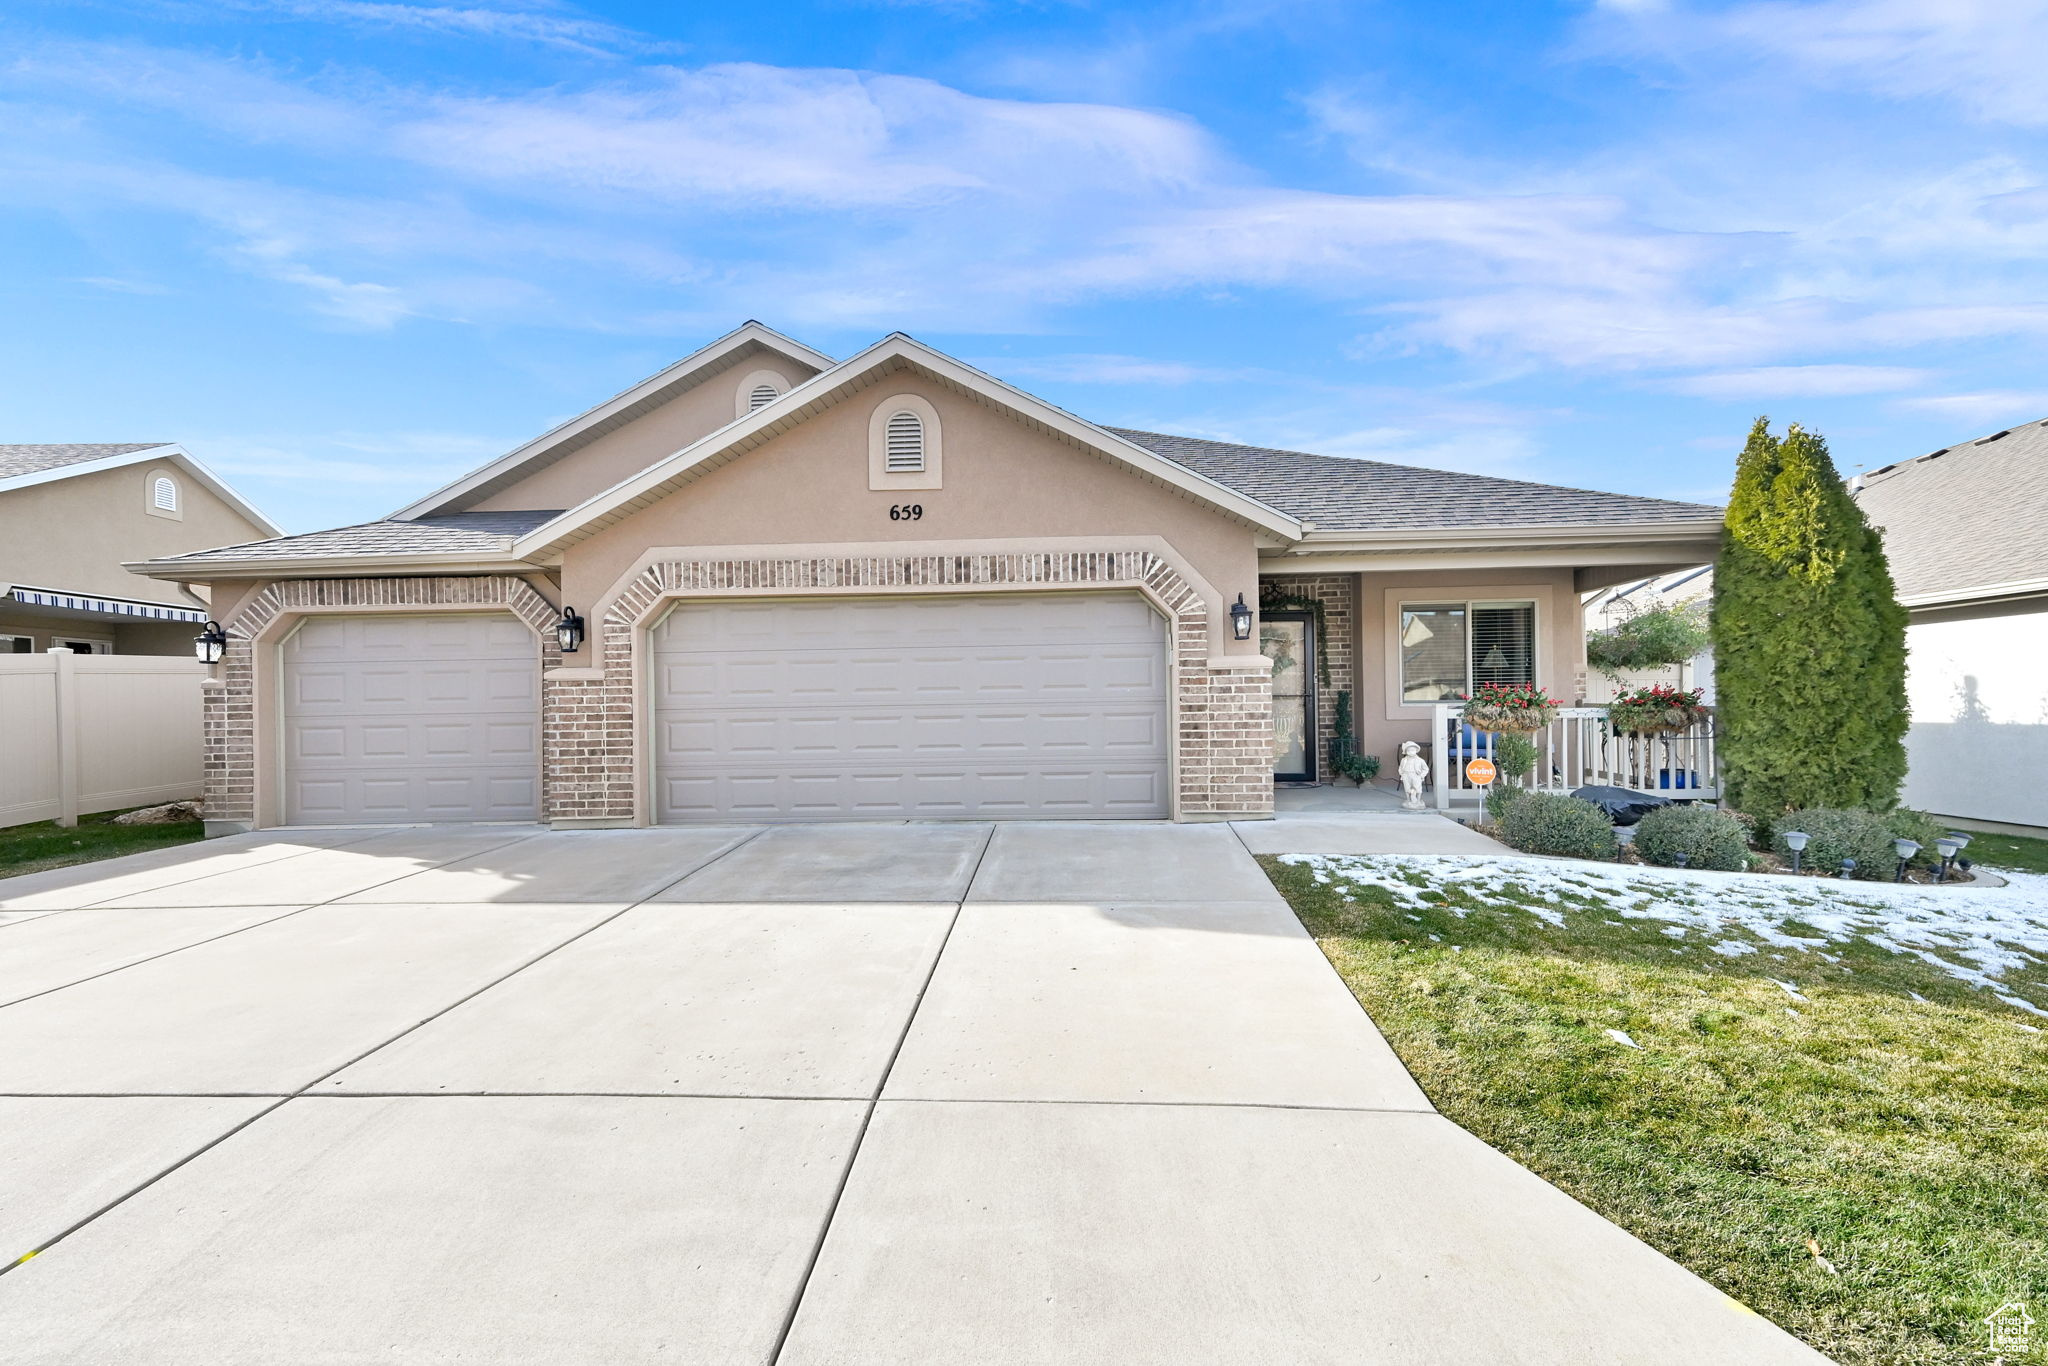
{"type": "Point", "coordinates": [1338, 542]}
{"type": "Point", "coordinates": [821, 391]}
{"type": "Point", "coordinates": [330, 566]}
{"type": "Point", "coordinates": [1982, 595]}
{"type": "Point", "coordinates": [750, 333]}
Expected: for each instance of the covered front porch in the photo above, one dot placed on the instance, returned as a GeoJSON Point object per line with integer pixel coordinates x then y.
{"type": "Point", "coordinates": [1374, 649]}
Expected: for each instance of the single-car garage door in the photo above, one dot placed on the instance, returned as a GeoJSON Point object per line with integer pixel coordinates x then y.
{"type": "Point", "coordinates": [1020, 705]}
{"type": "Point", "coordinates": [423, 717]}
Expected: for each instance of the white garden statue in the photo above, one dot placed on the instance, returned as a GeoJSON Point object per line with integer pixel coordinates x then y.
{"type": "Point", "coordinates": [1414, 771]}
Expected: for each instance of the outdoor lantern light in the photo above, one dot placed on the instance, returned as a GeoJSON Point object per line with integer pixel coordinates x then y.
{"type": "Point", "coordinates": [1240, 619]}
{"type": "Point", "coordinates": [1947, 847]}
{"type": "Point", "coordinates": [210, 643]}
{"type": "Point", "coordinates": [1795, 840]}
{"type": "Point", "coordinates": [569, 631]}
{"type": "Point", "coordinates": [1848, 867]}
{"type": "Point", "coordinates": [1905, 849]}
{"type": "Point", "coordinates": [1681, 858]}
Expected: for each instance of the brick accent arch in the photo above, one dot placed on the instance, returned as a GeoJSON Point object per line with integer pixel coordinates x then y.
{"type": "Point", "coordinates": [234, 748]}
{"type": "Point", "coordinates": [595, 724]}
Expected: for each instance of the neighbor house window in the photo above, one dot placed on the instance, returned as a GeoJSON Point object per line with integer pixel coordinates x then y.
{"type": "Point", "coordinates": [17, 645]}
{"type": "Point", "coordinates": [1450, 648]}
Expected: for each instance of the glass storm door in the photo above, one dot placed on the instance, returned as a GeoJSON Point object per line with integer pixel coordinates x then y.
{"type": "Point", "coordinates": [1289, 640]}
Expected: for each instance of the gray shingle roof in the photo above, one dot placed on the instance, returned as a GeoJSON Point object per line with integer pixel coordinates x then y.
{"type": "Point", "coordinates": [20, 460]}
{"type": "Point", "coordinates": [1966, 517]}
{"type": "Point", "coordinates": [449, 533]}
{"type": "Point", "coordinates": [1341, 494]}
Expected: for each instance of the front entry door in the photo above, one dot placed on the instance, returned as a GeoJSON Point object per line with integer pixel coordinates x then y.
{"type": "Point", "coordinates": [1289, 640]}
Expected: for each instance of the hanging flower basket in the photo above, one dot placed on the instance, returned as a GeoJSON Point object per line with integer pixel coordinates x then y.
{"type": "Point", "coordinates": [1510, 707]}
{"type": "Point", "coordinates": [1661, 710]}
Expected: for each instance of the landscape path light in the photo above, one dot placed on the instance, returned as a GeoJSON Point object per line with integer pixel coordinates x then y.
{"type": "Point", "coordinates": [1905, 849]}
{"type": "Point", "coordinates": [1795, 840]}
{"type": "Point", "coordinates": [1848, 867]}
{"type": "Point", "coordinates": [1947, 848]}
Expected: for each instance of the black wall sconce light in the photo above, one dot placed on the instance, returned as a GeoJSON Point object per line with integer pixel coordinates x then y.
{"type": "Point", "coordinates": [210, 643]}
{"type": "Point", "coordinates": [1240, 619]}
{"type": "Point", "coordinates": [569, 631]}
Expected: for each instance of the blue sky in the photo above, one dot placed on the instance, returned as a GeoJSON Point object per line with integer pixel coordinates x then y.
{"type": "Point", "coordinates": [345, 249]}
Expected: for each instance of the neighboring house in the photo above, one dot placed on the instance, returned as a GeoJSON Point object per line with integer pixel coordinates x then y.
{"type": "Point", "coordinates": [887, 587]}
{"type": "Point", "coordinates": [71, 515]}
{"type": "Point", "coordinates": [1966, 530]}
{"type": "Point", "coordinates": [1609, 607]}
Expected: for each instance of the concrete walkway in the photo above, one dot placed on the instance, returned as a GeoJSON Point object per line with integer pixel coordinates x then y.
{"type": "Point", "coordinates": [830, 1094]}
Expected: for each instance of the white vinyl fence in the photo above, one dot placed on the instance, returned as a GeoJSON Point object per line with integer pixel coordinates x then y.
{"type": "Point", "coordinates": [1578, 749]}
{"type": "Point", "coordinates": [84, 733]}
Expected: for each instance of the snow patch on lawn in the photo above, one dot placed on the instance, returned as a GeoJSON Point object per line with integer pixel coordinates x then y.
{"type": "Point", "coordinates": [1976, 935]}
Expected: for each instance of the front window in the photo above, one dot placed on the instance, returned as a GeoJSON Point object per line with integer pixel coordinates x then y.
{"type": "Point", "coordinates": [1450, 648]}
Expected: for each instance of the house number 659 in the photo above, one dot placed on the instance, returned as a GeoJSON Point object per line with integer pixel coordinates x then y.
{"type": "Point", "coordinates": [906, 512]}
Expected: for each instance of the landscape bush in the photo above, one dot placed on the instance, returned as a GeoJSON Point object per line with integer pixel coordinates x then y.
{"type": "Point", "coordinates": [1921, 828]}
{"type": "Point", "coordinates": [1707, 837]}
{"type": "Point", "coordinates": [1498, 798]}
{"type": "Point", "coordinates": [1551, 823]}
{"type": "Point", "coordinates": [1834, 835]}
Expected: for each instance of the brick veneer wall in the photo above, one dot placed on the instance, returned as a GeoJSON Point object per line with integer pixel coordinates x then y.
{"type": "Point", "coordinates": [229, 705]}
{"type": "Point", "coordinates": [1223, 738]}
{"type": "Point", "coordinates": [1339, 643]}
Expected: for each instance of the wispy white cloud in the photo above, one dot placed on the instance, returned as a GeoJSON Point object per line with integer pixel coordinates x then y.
{"type": "Point", "coordinates": [1085, 369]}
{"type": "Point", "coordinates": [2001, 405]}
{"type": "Point", "coordinates": [549, 25]}
{"type": "Point", "coordinates": [1984, 56]}
{"type": "Point", "coordinates": [1800, 381]}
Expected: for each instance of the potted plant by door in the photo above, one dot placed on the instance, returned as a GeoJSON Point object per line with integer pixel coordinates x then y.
{"type": "Point", "coordinates": [1510, 707]}
{"type": "Point", "coordinates": [1658, 710]}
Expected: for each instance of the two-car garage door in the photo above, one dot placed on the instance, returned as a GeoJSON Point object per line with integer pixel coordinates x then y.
{"type": "Point", "coordinates": [1020, 705]}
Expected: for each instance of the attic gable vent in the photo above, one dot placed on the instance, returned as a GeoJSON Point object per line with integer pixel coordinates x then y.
{"type": "Point", "coordinates": [763, 394]}
{"type": "Point", "coordinates": [164, 493]}
{"type": "Point", "coordinates": [905, 448]}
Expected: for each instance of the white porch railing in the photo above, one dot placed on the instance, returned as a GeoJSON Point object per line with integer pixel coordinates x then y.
{"type": "Point", "coordinates": [1578, 750]}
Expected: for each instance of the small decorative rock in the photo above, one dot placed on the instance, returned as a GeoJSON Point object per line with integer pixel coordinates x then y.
{"type": "Point", "coordinates": [170, 813]}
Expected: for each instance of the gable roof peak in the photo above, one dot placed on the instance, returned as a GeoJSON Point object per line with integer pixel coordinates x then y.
{"type": "Point", "coordinates": [633, 401]}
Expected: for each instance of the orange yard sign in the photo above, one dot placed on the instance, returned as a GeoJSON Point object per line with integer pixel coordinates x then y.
{"type": "Point", "coordinates": [1479, 772]}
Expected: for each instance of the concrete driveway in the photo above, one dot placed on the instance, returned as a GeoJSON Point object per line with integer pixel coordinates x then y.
{"type": "Point", "coordinates": [909, 1093]}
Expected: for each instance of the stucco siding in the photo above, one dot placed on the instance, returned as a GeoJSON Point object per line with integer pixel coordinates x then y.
{"type": "Point", "coordinates": [1003, 480]}
{"type": "Point", "coordinates": [620, 454]}
{"type": "Point", "coordinates": [1978, 746]}
{"type": "Point", "coordinates": [75, 533]}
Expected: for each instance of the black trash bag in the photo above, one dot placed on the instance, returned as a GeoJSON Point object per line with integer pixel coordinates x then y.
{"type": "Point", "coordinates": [1622, 806]}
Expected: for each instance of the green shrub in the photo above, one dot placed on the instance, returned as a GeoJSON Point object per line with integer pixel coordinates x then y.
{"type": "Point", "coordinates": [1499, 796]}
{"type": "Point", "coordinates": [1834, 835]}
{"type": "Point", "coordinates": [1514, 753]}
{"type": "Point", "coordinates": [1708, 838]}
{"type": "Point", "coordinates": [1921, 828]}
{"type": "Point", "coordinates": [1551, 823]}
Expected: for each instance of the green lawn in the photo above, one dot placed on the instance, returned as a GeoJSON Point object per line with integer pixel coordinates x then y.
{"type": "Point", "coordinates": [32, 848]}
{"type": "Point", "coordinates": [2008, 851]}
{"type": "Point", "coordinates": [1907, 1139]}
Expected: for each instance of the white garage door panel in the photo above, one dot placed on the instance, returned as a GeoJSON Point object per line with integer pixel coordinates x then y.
{"type": "Point", "coordinates": [411, 718]}
{"type": "Point", "coordinates": [1027, 705]}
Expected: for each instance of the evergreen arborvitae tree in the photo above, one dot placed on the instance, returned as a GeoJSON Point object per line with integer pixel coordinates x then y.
{"type": "Point", "coordinates": [1809, 639]}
